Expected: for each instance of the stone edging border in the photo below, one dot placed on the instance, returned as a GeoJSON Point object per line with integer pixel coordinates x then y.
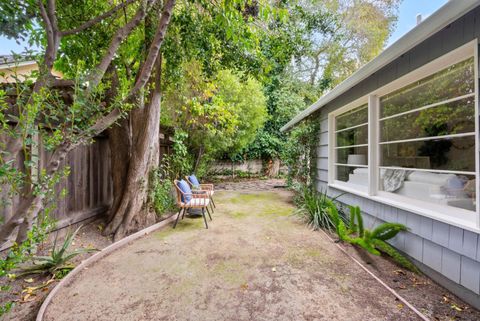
{"type": "Point", "coordinates": [97, 256]}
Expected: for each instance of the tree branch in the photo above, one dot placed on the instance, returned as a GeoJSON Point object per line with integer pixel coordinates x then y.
{"type": "Point", "coordinates": [108, 120]}
{"type": "Point", "coordinates": [122, 33]}
{"type": "Point", "coordinates": [154, 49]}
{"type": "Point", "coordinates": [97, 19]}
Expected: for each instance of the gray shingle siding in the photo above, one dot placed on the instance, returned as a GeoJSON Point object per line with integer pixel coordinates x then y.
{"type": "Point", "coordinates": [449, 250]}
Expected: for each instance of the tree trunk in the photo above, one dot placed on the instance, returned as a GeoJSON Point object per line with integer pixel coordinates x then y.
{"type": "Point", "coordinates": [120, 142]}
{"type": "Point", "coordinates": [199, 158]}
{"type": "Point", "coordinates": [132, 212]}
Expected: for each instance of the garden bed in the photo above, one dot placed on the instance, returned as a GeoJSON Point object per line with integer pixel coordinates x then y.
{"type": "Point", "coordinates": [431, 299]}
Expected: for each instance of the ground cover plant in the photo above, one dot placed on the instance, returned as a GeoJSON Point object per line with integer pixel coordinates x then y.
{"type": "Point", "coordinates": [373, 241]}
{"type": "Point", "coordinates": [322, 212]}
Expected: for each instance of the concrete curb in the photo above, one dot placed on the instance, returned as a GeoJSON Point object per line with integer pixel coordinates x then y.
{"type": "Point", "coordinates": [97, 256]}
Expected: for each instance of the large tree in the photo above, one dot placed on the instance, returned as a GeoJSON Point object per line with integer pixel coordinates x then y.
{"type": "Point", "coordinates": [87, 115]}
{"type": "Point", "coordinates": [112, 58]}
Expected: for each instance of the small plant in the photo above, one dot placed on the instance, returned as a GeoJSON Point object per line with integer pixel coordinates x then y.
{"type": "Point", "coordinates": [160, 195]}
{"type": "Point", "coordinates": [372, 241]}
{"type": "Point", "coordinates": [58, 262]}
{"type": "Point", "coordinates": [314, 207]}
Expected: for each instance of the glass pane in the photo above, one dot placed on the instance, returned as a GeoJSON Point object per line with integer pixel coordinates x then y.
{"type": "Point", "coordinates": [352, 118]}
{"type": "Point", "coordinates": [445, 189]}
{"type": "Point", "coordinates": [355, 136]}
{"type": "Point", "coordinates": [453, 118]}
{"type": "Point", "coordinates": [353, 175]}
{"type": "Point", "coordinates": [455, 154]}
{"type": "Point", "coordinates": [454, 81]}
{"type": "Point", "coordinates": [353, 155]}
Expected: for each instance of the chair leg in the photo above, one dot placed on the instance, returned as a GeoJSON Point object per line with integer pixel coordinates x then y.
{"type": "Point", "coordinates": [183, 214]}
{"type": "Point", "coordinates": [213, 202]}
{"type": "Point", "coordinates": [204, 218]}
{"type": "Point", "coordinates": [208, 213]}
{"type": "Point", "coordinates": [178, 215]}
{"type": "Point", "coordinates": [211, 205]}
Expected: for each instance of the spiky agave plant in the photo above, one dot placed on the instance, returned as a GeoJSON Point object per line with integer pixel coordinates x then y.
{"type": "Point", "coordinates": [58, 262]}
{"type": "Point", "coordinates": [372, 241]}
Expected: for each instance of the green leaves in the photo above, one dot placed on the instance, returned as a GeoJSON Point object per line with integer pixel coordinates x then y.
{"type": "Point", "coordinates": [321, 212]}
{"type": "Point", "coordinates": [221, 114]}
{"type": "Point", "coordinates": [58, 260]}
{"type": "Point", "coordinates": [317, 209]}
{"type": "Point", "coordinates": [387, 231]}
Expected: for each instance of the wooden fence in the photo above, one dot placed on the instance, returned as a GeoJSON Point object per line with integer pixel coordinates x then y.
{"type": "Point", "coordinates": [88, 187]}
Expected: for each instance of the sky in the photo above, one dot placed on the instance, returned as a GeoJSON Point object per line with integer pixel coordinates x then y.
{"type": "Point", "coordinates": [406, 21]}
{"type": "Point", "coordinates": [407, 17]}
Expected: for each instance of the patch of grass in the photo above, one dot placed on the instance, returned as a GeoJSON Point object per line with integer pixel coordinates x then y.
{"type": "Point", "coordinates": [237, 214]}
{"type": "Point", "coordinates": [187, 224]}
{"type": "Point", "coordinates": [299, 257]}
{"type": "Point", "coordinates": [231, 272]}
{"type": "Point", "coordinates": [264, 197]}
{"type": "Point", "coordinates": [276, 210]}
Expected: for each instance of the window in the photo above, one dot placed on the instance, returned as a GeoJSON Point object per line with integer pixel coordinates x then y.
{"type": "Point", "coordinates": [414, 144]}
{"type": "Point", "coordinates": [351, 145]}
{"type": "Point", "coordinates": [427, 138]}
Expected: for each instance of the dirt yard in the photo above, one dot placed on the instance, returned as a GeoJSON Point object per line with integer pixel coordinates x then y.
{"type": "Point", "coordinates": [255, 262]}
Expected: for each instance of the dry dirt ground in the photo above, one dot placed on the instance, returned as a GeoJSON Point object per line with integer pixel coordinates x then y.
{"type": "Point", "coordinates": [27, 305]}
{"type": "Point", "coordinates": [255, 262]}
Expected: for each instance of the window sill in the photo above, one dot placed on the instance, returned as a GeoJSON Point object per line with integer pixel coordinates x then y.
{"type": "Point", "coordinates": [467, 220]}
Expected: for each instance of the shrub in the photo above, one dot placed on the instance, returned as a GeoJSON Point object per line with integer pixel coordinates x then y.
{"type": "Point", "coordinates": [373, 241]}
{"type": "Point", "coordinates": [161, 197]}
{"type": "Point", "coordinates": [314, 207]}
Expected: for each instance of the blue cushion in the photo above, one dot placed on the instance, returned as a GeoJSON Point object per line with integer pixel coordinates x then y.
{"type": "Point", "coordinates": [194, 180]}
{"type": "Point", "coordinates": [183, 186]}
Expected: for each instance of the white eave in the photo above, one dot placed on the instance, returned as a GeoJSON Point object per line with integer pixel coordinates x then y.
{"type": "Point", "coordinates": [11, 65]}
{"type": "Point", "coordinates": [441, 18]}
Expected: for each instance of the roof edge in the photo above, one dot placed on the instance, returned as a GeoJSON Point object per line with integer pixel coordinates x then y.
{"type": "Point", "coordinates": [438, 20]}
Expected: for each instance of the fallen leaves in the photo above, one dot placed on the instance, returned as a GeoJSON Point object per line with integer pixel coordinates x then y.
{"type": "Point", "coordinates": [399, 272]}
{"type": "Point", "coordinates": [29, 293]}
{"type": "Point", "coordinates": [453, 305]}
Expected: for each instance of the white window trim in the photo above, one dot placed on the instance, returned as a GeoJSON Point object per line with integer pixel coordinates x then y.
{"type": "Point", "coordinates": [465, 219]}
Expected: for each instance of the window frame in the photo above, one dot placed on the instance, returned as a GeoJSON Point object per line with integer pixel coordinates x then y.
{"type": "Point", "coordinates": [466, 219]}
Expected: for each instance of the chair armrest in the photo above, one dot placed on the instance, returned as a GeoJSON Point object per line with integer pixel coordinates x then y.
{"type": "Point", "coordinates": [207, 187]}
{"type": "Point", "coordinates": [199, 194]}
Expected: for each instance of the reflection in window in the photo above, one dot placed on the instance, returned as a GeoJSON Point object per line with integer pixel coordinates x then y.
{"type": "Point", "coordinates": [455, 81]}
{"type": "Point", "coordinates": [351, 137]}
{"type": "Point", "coordinates": [427, 138]}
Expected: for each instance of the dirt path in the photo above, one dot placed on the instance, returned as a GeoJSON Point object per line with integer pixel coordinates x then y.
{"type": "Point", "coordinates": [255, 262]}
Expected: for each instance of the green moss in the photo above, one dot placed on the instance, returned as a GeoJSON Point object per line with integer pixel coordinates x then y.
{"type": "Point", "coordinates": [237, 214]}
{"type": "Point", "coordinates": [299, 257]}
{"type": "Point", "coordinates": [276, 210]}
{"type": "Point", "coordinates": [230, 272]}
{"type": "Point", "coordinates": [187, 224]}
{"type": "Point", "coordinates": [244, 198]}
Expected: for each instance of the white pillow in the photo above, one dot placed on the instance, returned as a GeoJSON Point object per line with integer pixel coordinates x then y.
{"type": "Point", "coordinates": [360, 171]}
{"type": "Point", "coordinates": [430, 178]}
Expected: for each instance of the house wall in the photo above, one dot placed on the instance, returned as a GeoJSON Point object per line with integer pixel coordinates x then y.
{"type": "Point", "coordinates": [21, 72]}
{"type": "Point", "coordinates": [447, 253]}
